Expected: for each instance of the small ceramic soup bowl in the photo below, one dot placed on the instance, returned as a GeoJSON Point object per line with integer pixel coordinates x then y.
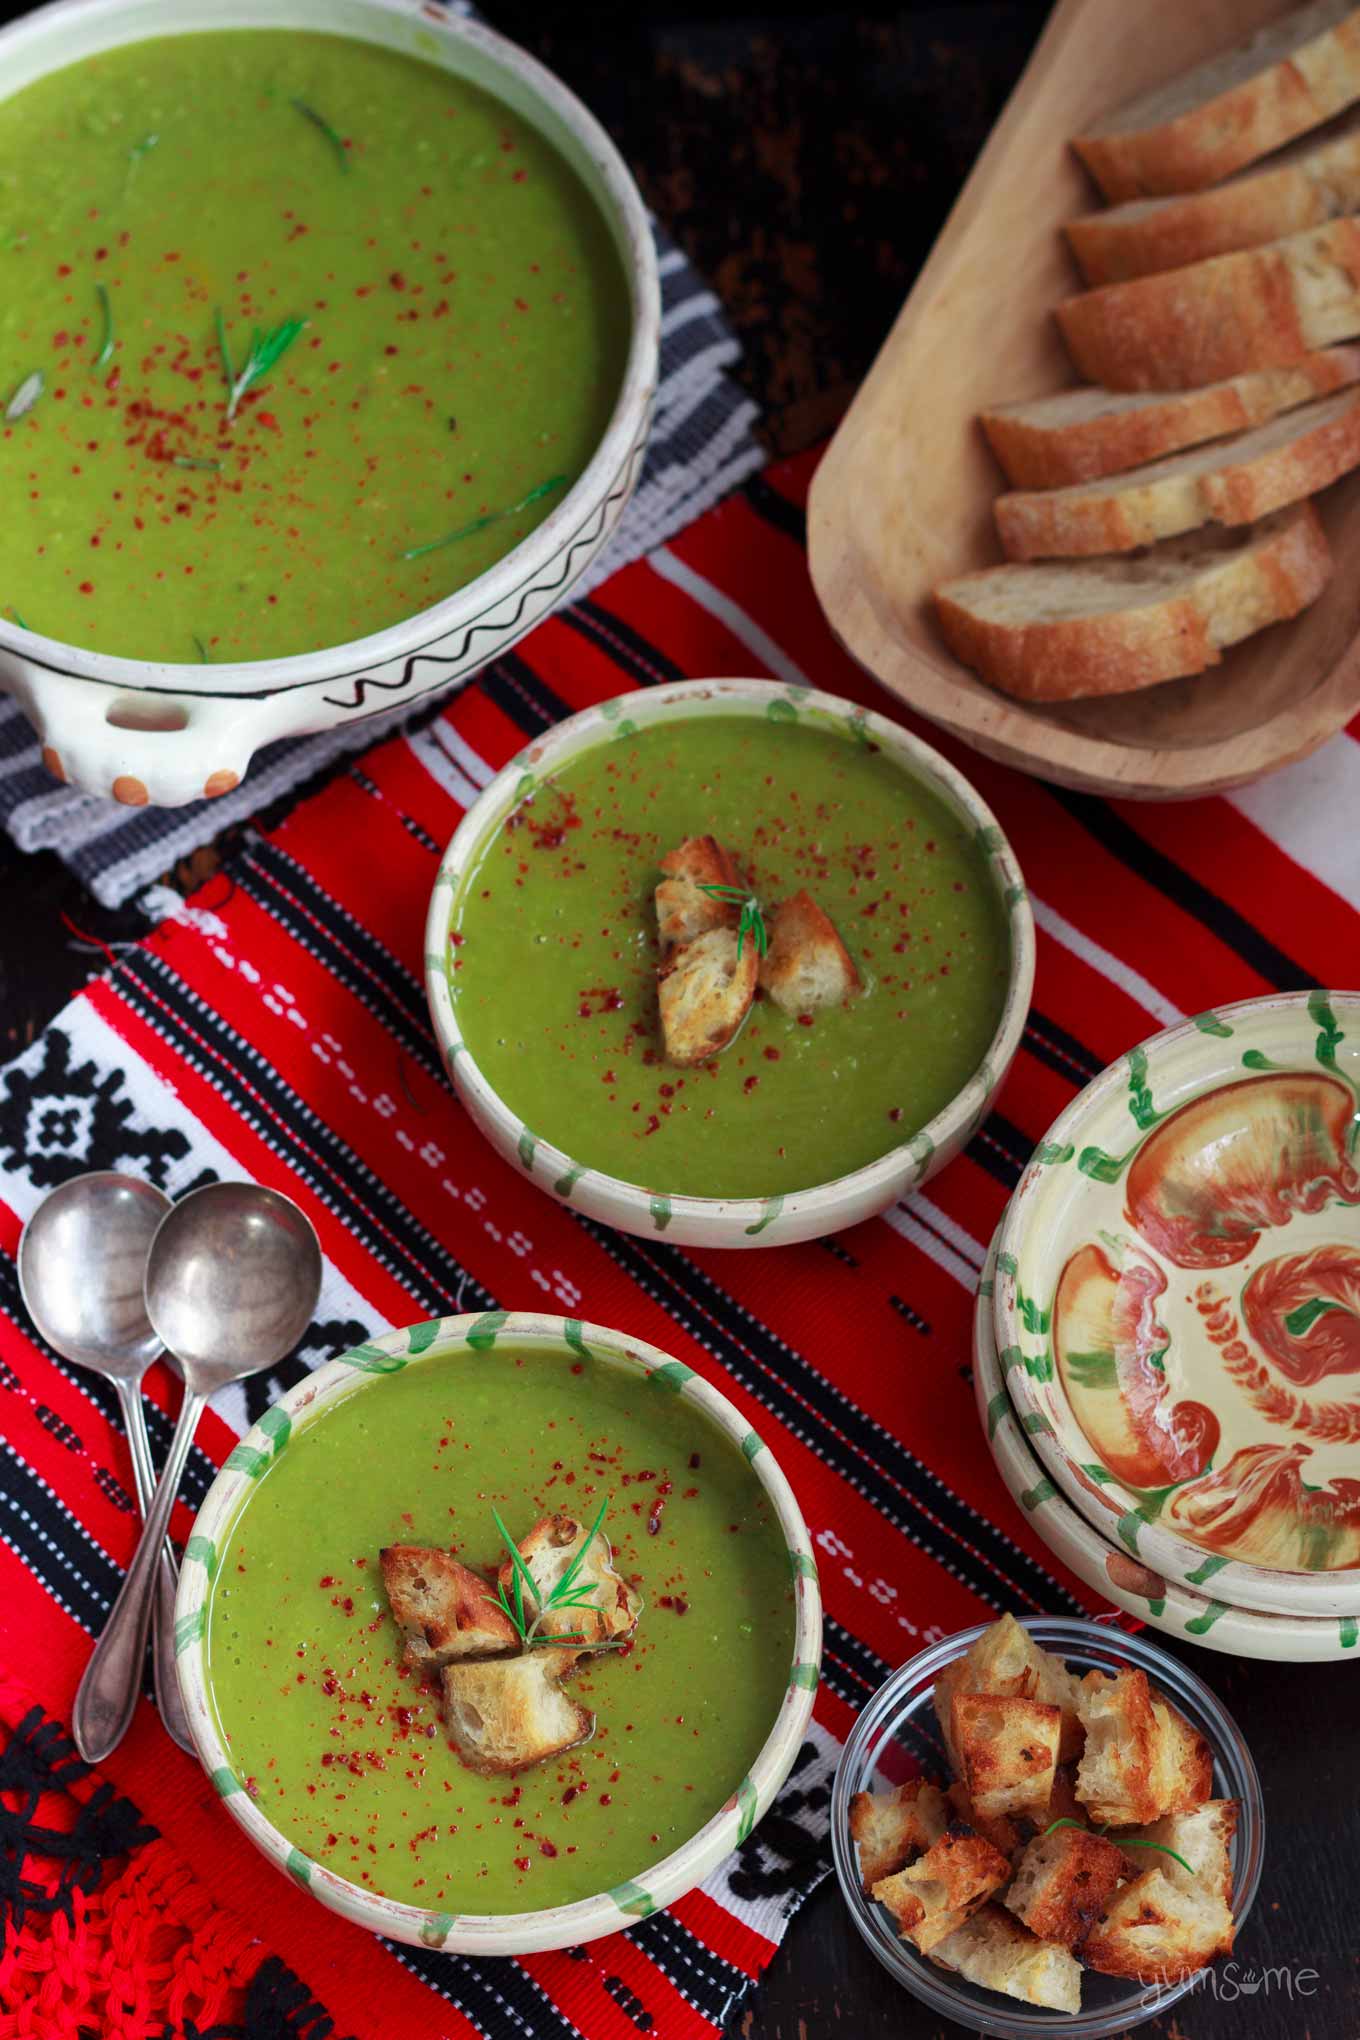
{"type": "Point", "coordinates": [1177, 1304]}
{"type": "Point", "coordinates": [166, 734]}
{"type": "Point", "coordinates": [758, 1221]}
{"type": "Point", "coordinates": [366, 1372]}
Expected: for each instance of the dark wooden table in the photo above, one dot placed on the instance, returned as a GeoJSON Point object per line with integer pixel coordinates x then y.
{"type": "Point", "coordinates": [807, 158]}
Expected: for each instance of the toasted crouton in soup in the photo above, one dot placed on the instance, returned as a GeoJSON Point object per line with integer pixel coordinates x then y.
{"type": "Point", "coordinates": [705, 991]}
{"type": "Point", "coordinates": [1063, 1882]}
{"type": "Point", "coordinates": [806, 967]}
{"type": "Point", "coordinates": [1008, 1751]}
{"type": "Point", "coordinates": [889, 1828]}
{"type": "Point", "coordinates": [683, 909]}
{"type": "Point", "coordinates": [997, 1953]}
{"type": "Point", "coordinates": [1115, 1779]}
{"type": "Point", "coordinates": [504, 1714]}
{"type": "Point", "coordinates": [1157, 1930]}
{"type": "Point", "coordinates": [446, 1610]}
{"type": "Point", "coordinates": [930, 1899]}
{"type": "Point", "coordinates": [607, 1608]}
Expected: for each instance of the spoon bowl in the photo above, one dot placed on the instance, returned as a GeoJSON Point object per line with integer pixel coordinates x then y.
{"type": "Point", "coordinates": [82, 1261]}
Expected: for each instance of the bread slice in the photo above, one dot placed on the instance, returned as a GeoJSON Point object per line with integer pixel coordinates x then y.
{"type": "Point", "coordinates": [1074, 628]}
{"type": "Point", "coordinates": [1234, 481]}
{"type": "Point", "coordinates": [682, 909]}
{"type": "Point", "coordinates": [889, 1828]}
{"type": "Point", "coordinates": [1158, 1930]}
{"type": "Point", "coordinates": [704, 992]}
{"type": "Point", "coordinates": [994, 1951]}
{"type": "Point", "coordinates": [504, 1714]}
{"type": "Point", "coordinates": [930, 1899]}
{"type": "Point", "coordinates": [446, 1610]}
{"type": "Point", "coordinates": [1063, 1882]}
{"type": "Point", "coordinates": [1080, 435]}
{"type": "Point", "coordinates": [1261, 308]}
{"type": "Point", "coordinates": [1290, 76]}
{"type": "Point", "coordinates": [1307, 183]}
{"type": "Point", "coordinates": [1005, 1660]}
{"type": "Point", "coordinates": [548, 1551]}
{"type": "Point", "coordinates": [1203, 1836]}
{"type": "Point", "coordinates": [1115, 1778]}
{"type": "Point", "coordinates": [806, 967]}
{"type": "Point", "coordinates": [1008, 1751]}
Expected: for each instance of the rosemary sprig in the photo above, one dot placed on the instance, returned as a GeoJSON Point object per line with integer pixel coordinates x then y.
{"type": "Point", "coordinates": [320, 121]}
{"type": "Point", "coordinates": [25, 397]}
{"type": "Point", "coordinates": [542, 489]}
{"type": "Point", "coordinates": [204, 654]}
{"type": "Point", "coordinates": [106, 338]}
{"type": "Point", "coordinates": [10, 610]}
{"type": "Point", "coordinates": [751, 920]}
{"type": "Point", "coordinates": [566, 1594]}
{"type": "Point", "coordinates": [1125, 1842]}
{"type": "Point", "coordinates": [266, 350]}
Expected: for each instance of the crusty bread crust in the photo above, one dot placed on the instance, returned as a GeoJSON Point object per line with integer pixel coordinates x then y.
{"type": "Point", "coordinates": [683, 910]}
{"type": "Point", "coordinates": [504, 1714]}
{"type": "Point", "coordinates": [1262, 308]}
{"type": "Point", "coordinates": [1234, 482]}
{"type": "Point", "coordinates": [1262, 576]}
{"type": "Point", "coordinates": [1039, 451]}
{"type": "Point", "coordinates": [1313, 185]}
{"type": "Point", "coordinates": [446, 1610]}
{"type": "Point", "coordinates": [936, 1895]}
{"type": "Point", "coordinates": [1302, 80]}
{"type": "Point", "coordinates": [807, 967]}
{"type": "Point", "coordinates": [548, 1551]}
{"type": "Point", "coordinates": [1062, 1883]}
{"type": "Point", "coordinates": [704, 993]}
{"type": "Point", "coordinates": [889, 1828]}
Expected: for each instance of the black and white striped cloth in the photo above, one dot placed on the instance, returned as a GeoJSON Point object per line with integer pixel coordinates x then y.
{"type": "Point", "coordinates": [702, 446]}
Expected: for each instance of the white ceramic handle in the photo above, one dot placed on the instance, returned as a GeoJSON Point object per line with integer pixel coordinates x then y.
{"type": "Point", "coordinates": [97, 739]}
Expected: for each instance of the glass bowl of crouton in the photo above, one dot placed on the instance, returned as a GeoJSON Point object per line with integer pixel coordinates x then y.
{"type": "Point", "coordinates": [1049, 1825]}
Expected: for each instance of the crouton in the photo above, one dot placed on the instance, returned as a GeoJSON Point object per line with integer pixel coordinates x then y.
{"type": "Point", "coordinates": [503, 1714]}
{"type": "Point", "coordinates": [1203, 1837]}
{"type": "Point", "coordinates": [1063, 1802]}
{"type": "Point", "coordinates": [892, 1827]}
{"type": "Point", "coordinates": [1008, 1750]}
{"type": "Point", "coordinates": [995, 1951]}
{"type": "Point", "coordinates": [1006, 1660]}
{"type": "Point", "coordinates": [932, 1898]}
{"type": "Point", "coordinates": [548, 1550]}
{"type": "Point", "coordinates": [1157, 1930]}
{"type": "Point", "coordinates": [1063, 1883]}
{"type": "Point", "coordinates": [948, 1683]}
{"type": "Point", "coordinates": [1115, 1781]}
{"type": "Point", "coordinates": [705, 990]}
{"type": "Point", "coordinates": [446, 1610]}
{"type": "Point", "coordinates": [1183, 1765]}
{"type": "Point", "coordinates": [807, 966]}
{"type": "Point", "coordinates": [1009, 1836]}
{"type": "Point", "coordinates": [683, 911]}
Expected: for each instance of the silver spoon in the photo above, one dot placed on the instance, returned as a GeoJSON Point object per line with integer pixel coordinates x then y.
{"type": "Point", "coordinates": [232, 1282]}
{"type": "Point", "coordinates": [82, 1257]}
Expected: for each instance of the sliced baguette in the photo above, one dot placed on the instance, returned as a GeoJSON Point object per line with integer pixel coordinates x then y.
{"type": "Point", "coordinates": [1082, 627]}
{"type": "Point", "coordinates": [1290, 76]}
{"type": "Point", "coordinates": [1262, 308]}
{"type": "Point", "coordinates": [609, 1608]}
{"type": "Point", "coordinates": [683, 909]}
{"type": "Point", "coordinates": [504, 1714]}
{"type": "Point", "coordinates": [1080, 435]}
{"type": "Point", "coordinates": [446, 1610]}
{"type": "Point", "coordinates": [704, 991]}
{"type": "Point", "coordinates": [807, 967]}
{"type": "Point", "coordinates": [1235, 481]}
{"type": "Point", "coordinates": [1306, 184]}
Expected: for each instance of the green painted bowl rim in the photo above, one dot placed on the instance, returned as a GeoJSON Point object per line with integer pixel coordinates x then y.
{"type": "Point", "coordinates": [841, 1199]}
{"type": "Point", "coordinates": [362, 1370]}
{"type": "Point", "coordinates": [1026, 1243]}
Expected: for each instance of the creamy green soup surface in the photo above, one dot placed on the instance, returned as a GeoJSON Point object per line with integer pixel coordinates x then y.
{"type": "Point", "coordinates": [552, 957]}
{"type": "Point", "coordinates": [461, 314]}
{"type": "Point", "coordinates": [342, 1745]}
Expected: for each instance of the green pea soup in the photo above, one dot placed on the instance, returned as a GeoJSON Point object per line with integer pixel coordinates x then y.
{"type": "Point", "coordinates": [552, 956]}
{"type": "Point", "coordinates": [433, 303]}
{"type": "Point", "coordinates": [342, 1746]}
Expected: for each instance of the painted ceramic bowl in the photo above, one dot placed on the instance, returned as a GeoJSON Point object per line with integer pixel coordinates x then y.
{"type": "Point", "coordinates": [1178, 1303]}
{"type": "Point", "coordinates": [368, 1371]}
{"type": "Point", "coordinates": [734, 1221]}
{"type": "Point", "coordinates": [897, 1736]}
{"type": "Point", "coordinates": [1108, 1569]}
{"type": "Point", "coordinates": [167, 734]}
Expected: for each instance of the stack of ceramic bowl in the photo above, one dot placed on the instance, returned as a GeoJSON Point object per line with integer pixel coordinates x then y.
{"type": "Point", "coordinates": [1167, 1339]}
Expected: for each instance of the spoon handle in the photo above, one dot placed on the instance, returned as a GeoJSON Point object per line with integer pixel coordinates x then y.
{"type": "Point", "coordinates": [168, 1702]}
{"type": "Point", "coordinates": [108, 1692]}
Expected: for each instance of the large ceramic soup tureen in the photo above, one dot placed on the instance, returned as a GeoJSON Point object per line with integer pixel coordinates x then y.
{"type": "Point", "coordinates": [169, 733]}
